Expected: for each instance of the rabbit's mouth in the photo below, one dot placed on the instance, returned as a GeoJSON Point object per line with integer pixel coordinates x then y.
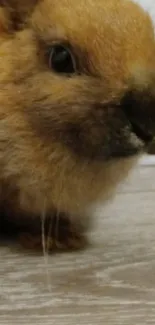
{"type": "Point", "coordinates": [140, 132]}
{"type": "Point", "coordinates": [138, 115]}
{"type": "Point", "coordinates": [139, 110]}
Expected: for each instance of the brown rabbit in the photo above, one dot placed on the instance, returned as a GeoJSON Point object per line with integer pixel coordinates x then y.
{"type": "Point", "coordinates": [76, 109]}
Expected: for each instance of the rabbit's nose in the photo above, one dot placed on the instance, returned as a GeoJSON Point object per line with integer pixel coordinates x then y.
{"type": "Point", "coordinates": [139, 109]}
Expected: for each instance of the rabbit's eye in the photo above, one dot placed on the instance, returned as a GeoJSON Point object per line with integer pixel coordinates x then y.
{"type": "Point", "coordinates": [61, 59]}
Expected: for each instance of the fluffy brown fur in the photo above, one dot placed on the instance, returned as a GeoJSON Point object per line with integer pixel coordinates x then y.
{"type": "Point", "coordinates": [65, 142]}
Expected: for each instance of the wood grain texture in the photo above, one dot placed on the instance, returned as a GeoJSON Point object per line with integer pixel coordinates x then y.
{"type": "Point", "coordinates": [112, 282]}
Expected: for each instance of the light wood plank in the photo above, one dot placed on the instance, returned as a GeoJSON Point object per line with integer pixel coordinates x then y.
{"type": "Point", "coordinates": [112, 282]}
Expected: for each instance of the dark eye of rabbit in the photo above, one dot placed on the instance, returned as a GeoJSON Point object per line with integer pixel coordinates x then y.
{"type": "Point", "coordinates": [61, 59]}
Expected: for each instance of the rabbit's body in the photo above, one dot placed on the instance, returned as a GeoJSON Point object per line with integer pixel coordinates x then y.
{"type": "Point", "coordinates": [67, 140]}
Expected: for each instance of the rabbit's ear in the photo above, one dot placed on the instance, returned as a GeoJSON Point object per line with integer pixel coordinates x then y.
{"type": "Point", "coordinates": [18, 10]}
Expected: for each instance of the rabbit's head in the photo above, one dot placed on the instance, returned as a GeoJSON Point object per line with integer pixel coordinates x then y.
{"type": "Point", "coordinates": [77, 98]}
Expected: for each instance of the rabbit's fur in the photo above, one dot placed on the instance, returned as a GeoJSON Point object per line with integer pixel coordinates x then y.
{"type": "Point", "coordinates": [65, 142]}
{"type": "Point", "coordinates": [148, 6]}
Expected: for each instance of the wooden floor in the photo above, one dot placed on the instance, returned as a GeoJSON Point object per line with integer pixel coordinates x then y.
{"type": "Point", "coordinates": [111, 283]}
